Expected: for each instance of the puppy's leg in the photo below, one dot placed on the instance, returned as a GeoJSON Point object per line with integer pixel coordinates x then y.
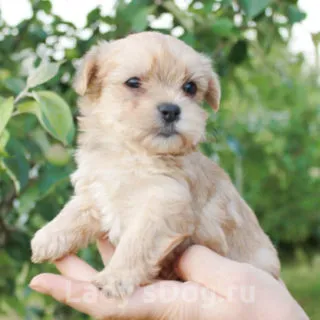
{"type": "Point", "coordinates": [73, 228]}
{"type": "Point", "coordinates": [137, 258]}
{"type": "Point", "coordinates": [144, 245]}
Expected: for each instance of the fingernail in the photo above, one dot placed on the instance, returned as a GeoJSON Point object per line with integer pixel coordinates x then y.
{"type": "Point", "coordinates": [37, 284]}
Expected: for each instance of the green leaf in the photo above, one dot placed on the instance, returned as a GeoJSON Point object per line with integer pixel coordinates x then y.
{"type": "Point", "coordinates": [295, 14]}
{"type": "Point", "coordinates": [15, 85]}
{"type": "Point", "coordinates": [207, 6]}
{"type": "Point", "coordinates": [4, 138]}
{"type": "Point", "coordinates": [37, 33]}
{"type": "Point", "coordinates": [16, 164]}
{"type": "Point", "coordinates": [315, 38]}
{"type": "Point", "coordinates": [254, 7]}
{"type": "Point", "coordinates": [10, 174]}
{"type": "Point", "coordinates": [93, 16]}
{"type": "Point", "coordinates": [226, 2]}
{"type": "Point", "coordinates": [54, 115]}
{"type": "Point", "coordinates": [45, 5]}
{"type": "Point", "coordinates": [6, 109]}
{"type": "Point", "coordinates": [45, 72]}
{"type": "Point", "coordinates": [239, 52]}
{"type": "Point", "coordinates": [189, 38]}
{"type": "Point", "coordinates": [51, 176]}
{"type": "Point", "coordinates": [28, 199]}
{"type": "Point", "coordinates": [140, 20]}
{"type": "Point", "coordinates": [57, 155]}
{"type": "Point", "coordinates": [182, 17]}
{"type": "Point", "coordinates": [223, 27]}
{"type": "Point", "coordinates": [19, 247]}
{"type": "Point", "coordinates": [40, 137]}
{"type": "Point", "coordinates": [28, 107]}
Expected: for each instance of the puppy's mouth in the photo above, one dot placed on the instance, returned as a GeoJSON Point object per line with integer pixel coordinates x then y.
{"type": "Point", "coordinates": [167, 131]}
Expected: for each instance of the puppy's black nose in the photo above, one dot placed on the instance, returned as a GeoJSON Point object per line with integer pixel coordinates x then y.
{"type": "Point", "coordinates": [170, 112]}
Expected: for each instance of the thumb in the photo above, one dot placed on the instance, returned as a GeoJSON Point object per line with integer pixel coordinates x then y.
{"type": "Point", "coordinates": [206, 267]}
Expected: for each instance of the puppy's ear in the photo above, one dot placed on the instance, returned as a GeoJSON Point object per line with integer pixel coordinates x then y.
{"type": "Point", "coordinates": [86, 75]}
{"type": "Point", "coordinates": [86, 72]}
{"type": "Point", "coordinates": [213, 93]}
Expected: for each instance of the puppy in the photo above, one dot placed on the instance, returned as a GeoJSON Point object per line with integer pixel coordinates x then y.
{"type": "Point", "coordinates": [140, 178]}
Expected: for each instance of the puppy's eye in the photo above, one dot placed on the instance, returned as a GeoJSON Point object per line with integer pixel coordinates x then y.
{"type": "Point", "coordinates": [133, 82]}
{"type": "Point", "coordinates": [190, 88]}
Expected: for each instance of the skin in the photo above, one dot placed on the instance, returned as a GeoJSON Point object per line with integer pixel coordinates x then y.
{"type": "Point", "coordinates": [215, 288]}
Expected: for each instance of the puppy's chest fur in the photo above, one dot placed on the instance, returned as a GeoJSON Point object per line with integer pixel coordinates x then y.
{"type": "Point", "coordinates": [117, 187]}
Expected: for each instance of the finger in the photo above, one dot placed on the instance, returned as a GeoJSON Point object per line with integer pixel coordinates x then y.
{"type": "Point", "coordinates": [86, 298]}
{"type": "Point", "coordinates": [106, 250]}
{"type": "Point", "coordinates": [164, 298]}
{"type": "Point", "coordinates": [202, 265]}
{"type": "Point", "coordinates": [283, 284]}
{"type": "Point", "coordinates": [79, 295]}
{"type": "Point", "coordinates": [73, 267]}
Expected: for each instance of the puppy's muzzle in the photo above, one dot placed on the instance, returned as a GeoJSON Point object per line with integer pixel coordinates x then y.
{"type": "Point", "coordinates": [169, 112]}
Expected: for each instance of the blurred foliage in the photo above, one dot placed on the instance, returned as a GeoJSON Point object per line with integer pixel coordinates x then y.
{"type": "Point", "coordinates": [266, 134]}
{"type": "Point", "coordinates": [303, 279]}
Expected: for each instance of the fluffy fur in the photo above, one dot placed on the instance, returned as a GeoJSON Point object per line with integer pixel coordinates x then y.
{"type": "Point", "coordinates": [153, 195]}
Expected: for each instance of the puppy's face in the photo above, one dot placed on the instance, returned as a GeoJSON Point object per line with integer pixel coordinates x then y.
{"type": "Point", "coordinates": [147, 89]}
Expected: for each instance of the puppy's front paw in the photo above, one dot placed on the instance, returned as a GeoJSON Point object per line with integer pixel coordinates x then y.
{"type": "Point", "coordinates": [48, 246]}
{"type": "Point", "coordinates": [115, 284]}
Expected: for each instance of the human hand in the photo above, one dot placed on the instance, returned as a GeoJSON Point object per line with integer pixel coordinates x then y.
{"type": "Point", "coordinates": [215, 288]}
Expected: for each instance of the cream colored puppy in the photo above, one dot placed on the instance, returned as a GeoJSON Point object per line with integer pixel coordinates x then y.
{"type": "Point", "coordinates": [139, 178]}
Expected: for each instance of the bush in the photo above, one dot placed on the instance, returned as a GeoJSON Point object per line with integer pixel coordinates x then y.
{"type": "Point", "coordinates": [265, 134]}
